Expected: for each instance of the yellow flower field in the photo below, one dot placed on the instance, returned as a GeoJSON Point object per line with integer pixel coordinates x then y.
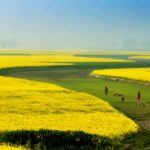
{"type": "Point", "coordinates": [146, 57]}
{"type": "Point", "coordinates": [25, 61]}
{"type": "Point", "coordinates": [33, 105]}
{"type": "Point", "coordinates": [7, 147]}
{"type": "Point", "coordinates": [142, 74]}
{"type": "Point", "coordinates": [48, 60]}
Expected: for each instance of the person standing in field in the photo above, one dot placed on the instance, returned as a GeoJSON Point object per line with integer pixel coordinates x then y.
{"type": "Point", "coordinates": [106, 90]}
{"type": "Point", "coordinates": [122, 98]}
{"type": "Point", "coordinates": [139, 96]}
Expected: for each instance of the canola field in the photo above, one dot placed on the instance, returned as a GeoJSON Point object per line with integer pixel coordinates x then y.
{"type": "Point", "coordinates": [7, 147]}
{"type": "Point", "coordinates": [8, 61]}
{"type": "Point", "coordinates": [141, 74]}
{"type": "Point", "coordinates": [145, 57]}
{"type": "Point", "coordinates": [35, 105]}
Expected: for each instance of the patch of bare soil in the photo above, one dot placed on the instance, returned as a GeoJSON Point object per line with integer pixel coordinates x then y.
{"type": "Point", "coordinates": [145, 124]}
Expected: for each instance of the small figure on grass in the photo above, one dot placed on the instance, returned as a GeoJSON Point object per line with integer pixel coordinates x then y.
{"type": "Point", "coordinates": [122, 98]}
{"type": "Point", "coordinates": [139, 99]}
{"type": "Point", "coordinates": [139, 96]}
{"type": "Point", "coordinates": [106, 90]}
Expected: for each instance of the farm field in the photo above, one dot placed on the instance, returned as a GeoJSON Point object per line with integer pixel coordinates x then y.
{"type": "Point", "coordinates": [74, 75]}
{"type": "Point", "coordinates": [47, 104]}
{"type": "Point", "coordinates": [6, 147]}
{"type": "Point", "coordinates": [54, 108]}
{"type": "Point", "coordinates": [8, 61]}
{"type": "Point", "coordinates": [76, 86]}
{"type": "Point", "coordinates": [142, 74]}
{"type": "Point", "coordinates": [142, 57]}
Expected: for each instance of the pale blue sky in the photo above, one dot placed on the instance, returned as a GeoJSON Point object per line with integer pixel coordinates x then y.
{"type": "Point", "coordinates": [75, 24]}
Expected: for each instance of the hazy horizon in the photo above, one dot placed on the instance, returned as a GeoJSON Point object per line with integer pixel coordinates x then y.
{"type": "Point", "coordinates": [75, 24]}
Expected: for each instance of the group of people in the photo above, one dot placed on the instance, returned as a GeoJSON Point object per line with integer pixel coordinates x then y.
{"type": "Point", "coordinates": [121, 95]}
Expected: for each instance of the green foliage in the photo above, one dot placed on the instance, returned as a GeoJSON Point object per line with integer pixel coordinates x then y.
{"type": "Point", "coordinates": [43, 139]}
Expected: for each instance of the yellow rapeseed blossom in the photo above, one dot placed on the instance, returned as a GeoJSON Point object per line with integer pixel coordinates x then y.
{"type": "Point", "coordinates": [33, 105]}
{"type": "Point", "coordinates": [142, 74]}
{"type": "Point", "coordinates": [48, 60]}
{"type": "Point", "coordinates": [146, 57]}
{"type": "Point", "coordinates": [8, 147]}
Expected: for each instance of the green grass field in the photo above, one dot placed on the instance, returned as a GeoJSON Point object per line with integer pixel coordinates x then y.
{"type": "Point", "coordinates": [78, 78]}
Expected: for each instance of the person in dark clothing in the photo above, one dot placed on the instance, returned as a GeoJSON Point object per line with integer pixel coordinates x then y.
{"type": "Point", "coordinates": [106, 90]}
{"type": "Point", "coordinates": [139, 96]}
{"type": "Point", "coordinates": [122, 98]}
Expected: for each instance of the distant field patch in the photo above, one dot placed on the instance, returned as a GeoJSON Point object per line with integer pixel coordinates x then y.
{"type": "Point", "coordinates": [142, 74]}
{"type": "Point", "coordinates": [7, 61]}
{"type": "Point", "coordinates": [33, 105]}
{"type": "Point", "coordinates": [25, 61]}
{"type": "Point", "coordinates": [146, 57]}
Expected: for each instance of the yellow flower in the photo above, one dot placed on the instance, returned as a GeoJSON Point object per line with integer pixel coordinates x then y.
{"type": "Point", "coordinates": [33, 105]}
{"type": "Point", "coordinates": [142, 74]}
{"type": "Point", "coordinates": [7, 147]}
{"type": "Point", "coordinates": [48, 60]}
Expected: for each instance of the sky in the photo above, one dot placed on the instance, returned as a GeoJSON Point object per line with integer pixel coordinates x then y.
{"type": "Point", "coordinates": [75, 24]}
